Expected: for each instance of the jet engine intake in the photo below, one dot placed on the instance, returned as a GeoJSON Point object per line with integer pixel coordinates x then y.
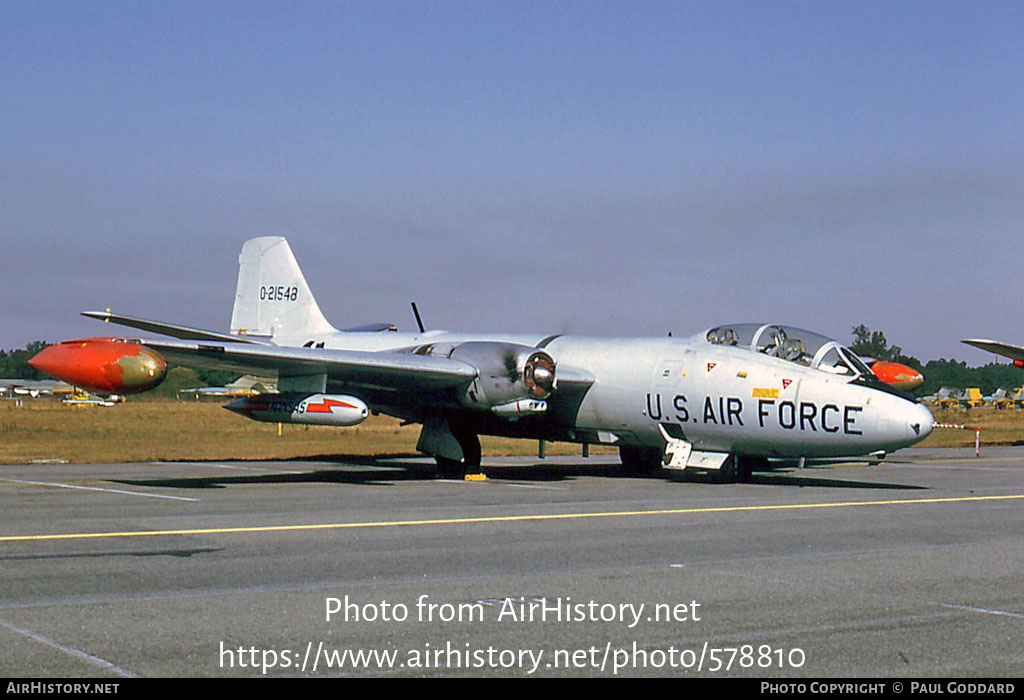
{"type": "Point", "coordinates": [506, 373]}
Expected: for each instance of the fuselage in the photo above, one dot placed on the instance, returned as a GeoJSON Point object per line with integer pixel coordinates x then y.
{"type": "Point", "coordinates": [718, 397]}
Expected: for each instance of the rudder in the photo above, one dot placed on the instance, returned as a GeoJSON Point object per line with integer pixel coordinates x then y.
{"type": "Point", "coordinates": [272, 297]}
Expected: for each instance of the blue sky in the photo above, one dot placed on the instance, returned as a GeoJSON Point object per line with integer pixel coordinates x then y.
{"type": "Point", "coordinates": [598, 167]}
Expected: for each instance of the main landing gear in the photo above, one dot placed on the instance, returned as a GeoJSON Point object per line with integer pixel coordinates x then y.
{"type": "Point", "coordinates": [469, 442]}
{"type": "Point", "coordinates": [737, 468]}
{"type": "Point", "coordinates": [640, 461]}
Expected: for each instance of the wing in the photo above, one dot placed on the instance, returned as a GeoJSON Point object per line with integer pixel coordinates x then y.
{"type": "Point", "coordinates": [374, 370]}
{"type": "Point", "coordinates": [1014, 352]}
{"type": "Point", "coordinates": [399, 382]}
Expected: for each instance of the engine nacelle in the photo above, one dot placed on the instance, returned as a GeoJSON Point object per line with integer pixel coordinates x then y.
{"type": "Point", "coordinates": [103, 365]}
{"type": "Point", "coordinates": [506, 373]}
{"type": "Point", "coordinates": [308, 409]}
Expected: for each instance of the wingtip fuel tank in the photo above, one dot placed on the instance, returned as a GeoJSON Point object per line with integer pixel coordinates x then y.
{"type": "Point", "coordinates": [103, 365]}
{"type": "Point", "coordinates": [897, 375]}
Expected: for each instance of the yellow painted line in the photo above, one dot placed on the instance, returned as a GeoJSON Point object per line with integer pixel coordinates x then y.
{"type": "Point", "coordinates": [502, 519]}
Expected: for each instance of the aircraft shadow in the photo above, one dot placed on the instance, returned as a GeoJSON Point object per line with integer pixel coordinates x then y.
{"type": "Point", "coordinates": [562, 472]}
{"type": "Point", "coordinates": [769, 479]}
{"type": "Point", "coordinates": [365, 477]}
{"type": "Point", "coordinates": [388, 470]}
{"type": "Point", "coordinates": [180, 553]}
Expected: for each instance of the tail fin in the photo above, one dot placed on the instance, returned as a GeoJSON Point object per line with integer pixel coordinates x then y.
{"type": "Point", "coordinates": [272, 298]}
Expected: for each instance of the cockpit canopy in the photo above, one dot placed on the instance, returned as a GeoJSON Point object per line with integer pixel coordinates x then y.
{"type": "Point", "coordinates": [792, 345]}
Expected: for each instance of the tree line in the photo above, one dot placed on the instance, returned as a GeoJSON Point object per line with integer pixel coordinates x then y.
{"type": "Point", "coordinates": [14, 363]}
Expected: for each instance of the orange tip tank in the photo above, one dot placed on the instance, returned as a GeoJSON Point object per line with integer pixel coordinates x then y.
{"type": "Point", "coordinates": [898, 375]}
{"type": "Point", "coordinates": [103, 365]}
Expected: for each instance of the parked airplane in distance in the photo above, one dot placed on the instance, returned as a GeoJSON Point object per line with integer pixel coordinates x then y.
{"type": "Point", "coordinates": [723, 401]}
{"type": "Point", "coordinates": [246, 385]}
{"type": "Point", "coordinates": [33, 387]}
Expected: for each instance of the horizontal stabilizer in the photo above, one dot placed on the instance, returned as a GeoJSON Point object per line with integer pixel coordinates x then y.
{"type": "Point", "coordinates": [174, 331]}
{"type": "Point", "coordinates": [1014, 352]}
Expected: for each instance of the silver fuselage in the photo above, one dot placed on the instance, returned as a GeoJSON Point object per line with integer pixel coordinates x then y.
{"type": "Point", "coordinates": [719, 398]}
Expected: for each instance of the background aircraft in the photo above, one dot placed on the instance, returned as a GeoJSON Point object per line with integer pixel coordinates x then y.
{"type": "Point", "coordinates": [945, 397]}
{"type": "Point", "coordinates": [722, 401]}
{"type": "Point", "coordinates": [33, 387]}
{"type": "Point", "coordinates": [246, 385]}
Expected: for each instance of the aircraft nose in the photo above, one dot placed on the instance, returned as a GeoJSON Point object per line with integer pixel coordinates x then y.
{"type": "Point", "coordinates": [919, 422]}
{"type": "Point", "coordinates": [46, 359]}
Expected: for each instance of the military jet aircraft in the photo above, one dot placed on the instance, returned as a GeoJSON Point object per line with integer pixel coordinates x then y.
{"type": "Point", "coordinates": [723, 401]}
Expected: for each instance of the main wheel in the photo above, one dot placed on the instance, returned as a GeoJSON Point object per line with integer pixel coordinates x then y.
{"type": "Point", "coordinates": [471, 454]}
{"type": "Point", "coordinates": [450, 468]}
{"type": "Point", "coordinates": [726, 474]}
{"type": "Point", "coordinates": [469, 442]}
{"type": "Point", "coordinates": [737, 468]}
{"type": "Point", "coordinates": [640, 460]}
